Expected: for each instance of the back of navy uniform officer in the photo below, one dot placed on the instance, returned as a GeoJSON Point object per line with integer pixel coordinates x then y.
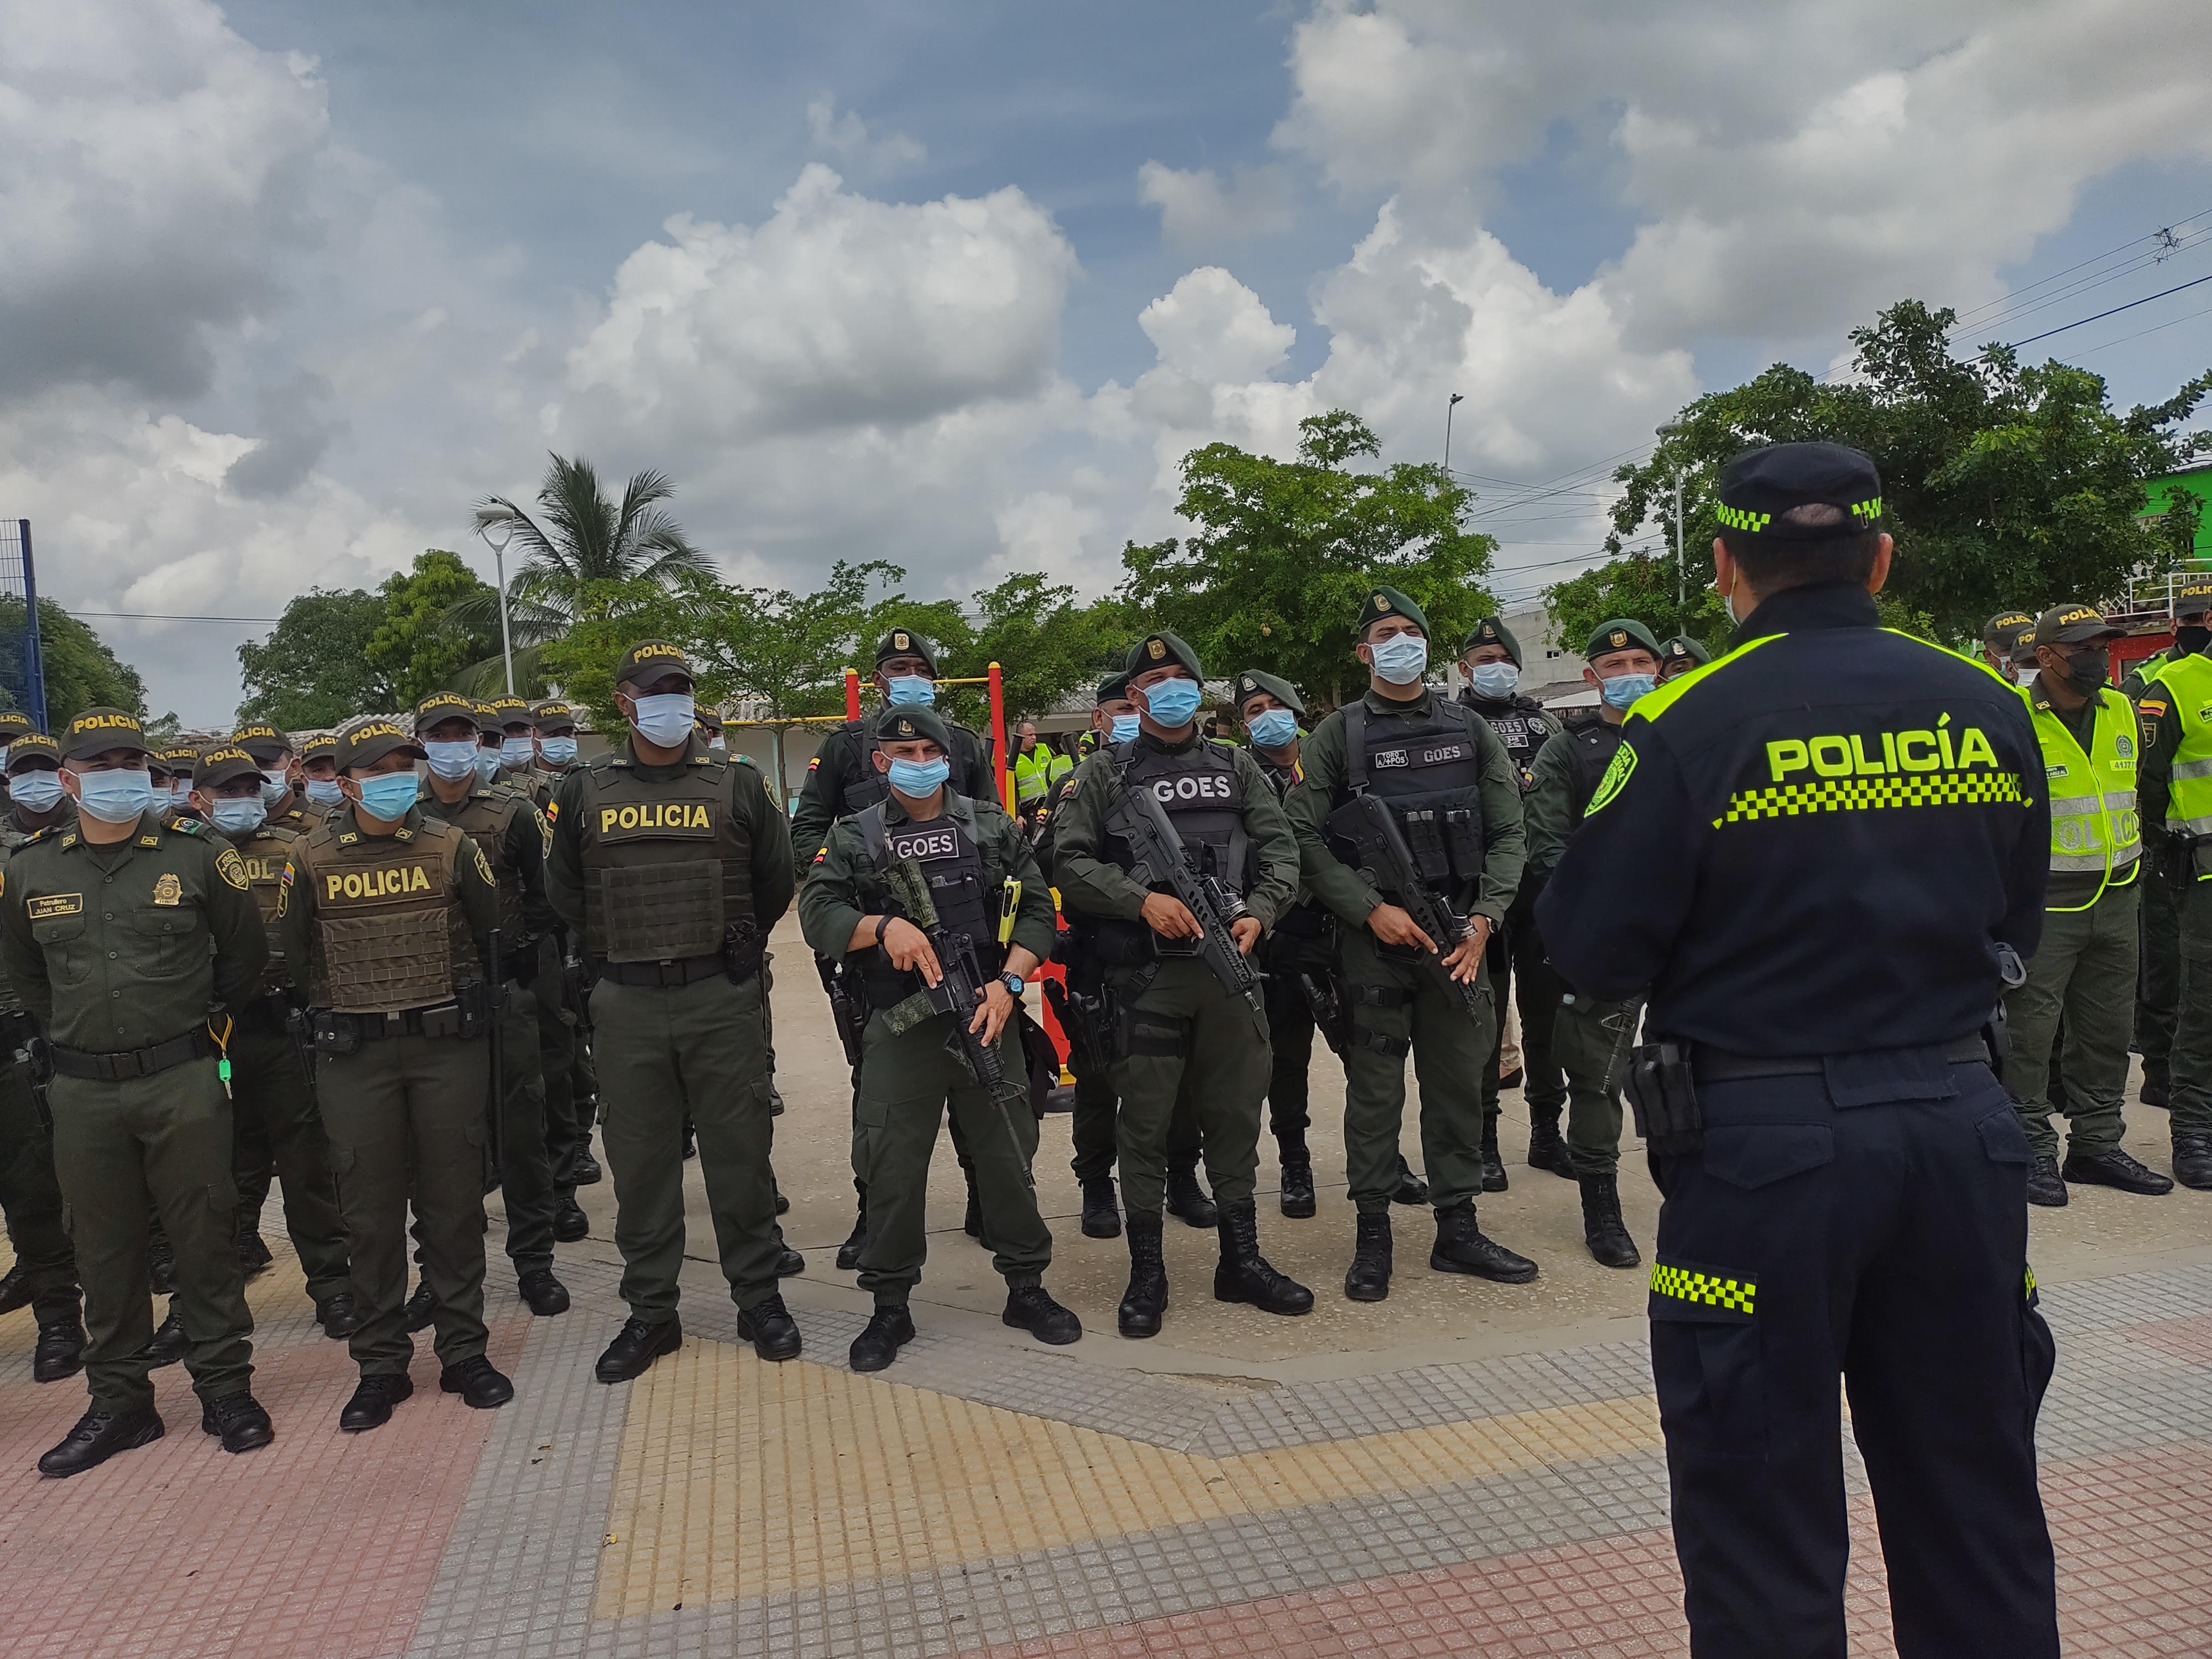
{"type": "Point", "coordinates": [1181, 1029]}
{"type": "Point", "coordinates": [969, 851]}
{"type": "Point", "coordinates": [1813, 853]}
{"type": "Point", "coordinates": [123, 933]}
{"type": "Point", "coordinates": [671, 867]}
{"type": "Point", "coordinates": [1410, 747]}
{"type": "Point", "coordinates": [277, 1126]}
{"type": "Point", "coordinates": [386, 915]}
{"type": "Point", "coordinates": [510, 834]}
{"type": "Point", "coordinates": [1590, 1034]}
{"type": "Point", "coordinates": [1491, 659]}
{"type": "Point", "coordinates": [563, 1055]}
{"type": "Point", "coordinates": [2083, 973]}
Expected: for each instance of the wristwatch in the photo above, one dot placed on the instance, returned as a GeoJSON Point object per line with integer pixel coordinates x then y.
{"type": "Point", "coordinates": [1013, 982]}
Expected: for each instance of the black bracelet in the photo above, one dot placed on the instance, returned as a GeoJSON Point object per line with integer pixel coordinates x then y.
{"type": "Point", "coordinates": [882, 922]}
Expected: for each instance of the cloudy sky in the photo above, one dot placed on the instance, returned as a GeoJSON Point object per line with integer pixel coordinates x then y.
{"type": "Point", "coordinates": [284, 288]}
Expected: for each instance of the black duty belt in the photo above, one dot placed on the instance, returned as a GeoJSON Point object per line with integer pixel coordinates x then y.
{"type": "Point", "coordinates": [440, 1019]}
{"type": "Point", "coordinates": [684, 970]}
{"type": "Point", "coordinates": [1711, 1065]}
{"type": "Point", "coordinates": [134, 1062]}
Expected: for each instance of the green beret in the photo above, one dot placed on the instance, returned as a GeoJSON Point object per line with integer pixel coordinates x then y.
{"type": "Point", "coordinates": [1115, 688]}
{"type": "Point", "coordinates": [1252, 682]}
{"type": "Point", "coordinates": [1158, 650]}
{"type": "Point", "coordinates": [1492, 630]}
{"type": "Point", "coordinates": [1389, 602]}
{"type": "Point", "coordinates": [909, 722]}
{"type": "Point", "coordinates": [1683, 646]}
{"type": "Point", "coordinates": [905, 642]}
{"type": "Point", "coordinates": [1621, 634]}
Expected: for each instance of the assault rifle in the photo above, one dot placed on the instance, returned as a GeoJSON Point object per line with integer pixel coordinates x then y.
{"type": "Point", "coordinates": [1372, 828]}
{"type": "Point", "coordinates": [959, 992]}
{"type": "Point", "coordinates": [1160, 857]}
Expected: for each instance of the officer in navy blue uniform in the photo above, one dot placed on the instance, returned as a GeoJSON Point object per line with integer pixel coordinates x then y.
{"type": "Point", "coordinates": [1819, 855]}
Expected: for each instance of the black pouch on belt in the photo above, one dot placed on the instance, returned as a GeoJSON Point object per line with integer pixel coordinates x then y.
{"type": "Point", "coordinates": [1664, 1099]}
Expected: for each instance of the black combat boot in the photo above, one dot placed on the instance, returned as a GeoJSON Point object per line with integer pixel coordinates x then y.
{"type": "Point", "coordinates": [1186, 1201]}
{"type": "Point", "coordinates": [253, 1257]}
{"type": "Point", "coordinates": [545, 1295]}
{"type": "Point", "coordinates": [1147, 1298]}
{"type": "Point", "coordinates": [1102, 1214]}
{"type": "Point", "coordinates": [789, 1263]}
{"type": "Point", "coordinates": [160, 1265]}
{"type": "Point", "coordinates": [16, 1290]}
{"type": "Point", "coordinates": [1412, 1188]}
{"type": "Point", "coordinates": [479, 1383]}
{"type": "Point", "coordinates": [2115, 1169]}
{"type": "Point", "coordinates": [373, 1397]}
{"type": "Point", "coordinates": [636, 1346]}
{"type": "Point", "coordinates": [1298, 1188]}
{"type": "Point", "coordinates": [889, 1330]}
{"type": "Point", "coordinates": [240, 1421]}
{"type": "Point", "coordinates": [421, 1308]}
{"type": "Point", "coordinates": [60, 1350]}
{"type": "Point", "coordinates": [2192, 1161]}
{"type": "Point", "coordinates": [589, 1173]}
{"type": "Point", "coordinates": [1546, 1151]}
{"type": "Point", "coordinates": [1493, 1167]}
{"type": "Point", "coordinates": [98, 1437]}
{"type": "Point", "coordinates": [1460, 1248]}
{"type": "Point", "coordinates": [169, 1341]}
{"type": "Point", "coordinates": [771, 1329]}
{"type": "Point", "coordinates": [2045, 1186]}
{"type": "Point", "coordinates": [339, 1316]}
{"type": "Point", "coordinates": [1603, 1231]}
{"type": "Point", "coordinates": [1369, 1279]}
{"type": "Point", "coordinates": [848, 1253]}
{"type": "Point", "coordinates": [570, 1225]}
{"type": "Point", "coordinates": [1031, 1308]}
{"type": "Point", "coordinates": [1244, 1275]}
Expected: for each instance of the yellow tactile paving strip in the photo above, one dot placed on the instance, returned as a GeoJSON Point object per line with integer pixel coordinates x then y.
{"type": "Point", "coordinates": [738, 1479]}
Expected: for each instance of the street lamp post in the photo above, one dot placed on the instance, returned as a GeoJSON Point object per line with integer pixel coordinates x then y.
{"type": "Point", "coordinates": [1455, 401]}
{"type": "Point", "coordinates": [487, 519]}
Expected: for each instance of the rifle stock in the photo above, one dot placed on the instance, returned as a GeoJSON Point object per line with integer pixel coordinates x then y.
{"type": "Point", "coordinates": [1371, 828]}
{"type": "Point", "coordinates": [1161, 859]}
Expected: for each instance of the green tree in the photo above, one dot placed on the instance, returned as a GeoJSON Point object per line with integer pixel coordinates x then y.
{"type": "Point", "coordinates": [1277, 572]}
{"type": "Point", "coordinates": [1044, 643]}
{"type": "Point", "coordinates": [613, 616]}
{"type": "Point", "coordinates": [313, 669]}
{"type": "Point", "coordinates": [2004, 484]}
{"type": "Point", "coordinates": [80, 670]}
{"type": "Point", "coordinates": [418, 646]}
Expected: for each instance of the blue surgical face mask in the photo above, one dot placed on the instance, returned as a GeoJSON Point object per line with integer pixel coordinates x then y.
{"type": "Point", "coordinates": [452, 761]}
{"type": "Point", "coordinates": [486, 764]}
{"type": "Point", "coordinates": [908, 688]}
{"type": "Point", "coordinates": [1172, 702]}
{"type": "Point", "coordinates": [115, 796]}
{"type": "Point", "coordinates": [558, 752]}
{"type": "Point", "coordinates": [274, 783]}
{"type": "Point", "coordinates": [1126, 727]}
{"type": "Point", "coordinates": [325, 790]}
{"type": "Point", "coordinates": [388, 795]}
{"type": "Point", "coordinates": [1272, 728]}
{"type": "Point", "coordinates": [1497, 680]}
{"type": "Point", "coordinates": [515, 753]}
{"type": "Point", "coordinates": [38, 791]}
{"type": "Point", "coordinates": [237, 818]}
{"type": "Point", "coordinates": [919, 780]}
{"type": "Point", "coordinates": [666, 721]}
{"type": "Point", "coordinates": [1623, 690]}
{"type": "Point", "coordinates": [1400, 659]}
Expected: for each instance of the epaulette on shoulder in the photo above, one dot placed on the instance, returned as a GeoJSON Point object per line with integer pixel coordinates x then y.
{"type": "Point", "coordinates": [185, 826]}
{"type": "Point", "coordinates": [38, 835]}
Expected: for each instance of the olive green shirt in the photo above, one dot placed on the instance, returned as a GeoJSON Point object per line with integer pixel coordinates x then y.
{"type": "Point", "coordinates": [773, 881]}
{"type": "Point", "coordinates": [838, 760]}
{"type": "Point", "coordinates": [843, 883]}
{"type": "Point", "coordinates": [473, 885]}
{"type": "Point", "coordinates": [1323, 775]}
{"type": "Point", "coordinates": [522, 848]}
{"type": "Point", "coordinates": [1552, 807]}
{"type": "Point", "coordinates": [17, 831]}
{"type": "Point", "coordinates": [121, 947]}
{"type": "Point", "coordinates": [1091, 882]}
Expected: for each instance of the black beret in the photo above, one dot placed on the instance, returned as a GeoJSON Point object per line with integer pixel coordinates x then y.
{"type": "Point", "coordinates": [909, 722]}
{"type": "Point", "coordinates": [1115, 688]}
{"type": "Point", "coordinates": [905, 642]}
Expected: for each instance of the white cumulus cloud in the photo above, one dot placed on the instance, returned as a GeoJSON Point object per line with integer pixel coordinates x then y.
{"type": "Point", "coordinates": [1198, 209]}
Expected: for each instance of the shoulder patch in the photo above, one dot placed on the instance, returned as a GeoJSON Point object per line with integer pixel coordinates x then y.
{"type": "Point", "coordinates": [231, 868]}
{"type": "Point", "coordinates": [187, 826]}
{"type": "Point", "coordinates": [483, 865]}
{"type": "Point", "coordinates": [813, 763]}
{"type": "Point", "coordinates": [1614, 780]}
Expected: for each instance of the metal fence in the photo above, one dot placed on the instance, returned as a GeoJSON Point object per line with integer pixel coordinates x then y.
{"type": "Point", "coordinates": [22, 672]}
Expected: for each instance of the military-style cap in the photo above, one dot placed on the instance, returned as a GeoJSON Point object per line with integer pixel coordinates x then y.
{"type": "Point", "coordinates": [648, 659]}
{"type": "Point", "coordinates": [1492, 630]}
{"type": "Point", "coordinates": [1621, 634]}
{"type": "Point", "coordinates": [908, 722]}
{"type": "Point", "coordinates": [367, 742]}
{"type": "Point", "coordinates": [180, 760]}
{"type": "Point", "coordinates": [1252, 682]}
{"type": "Point", "coordinates": [1389, 602]}
{"type": "Point", "coordinates": [1158, 651]}
{"type": "Point", "coordinates": [262, 741]}
{"type": "Point", "coordinates": [1683, 648]}
{"type": "Point", "coordinates": [551, 715]}
{"type": "Point", "coordinates": [323, 748]}
{"type": "Point", "coordinates": [512, 711]}
{"type": "Point", "coordinates": [2002, 631]}
{"type": "Point", "coordinates": [706, 719]}
{"type": "Point", "coordinates": [96, 730]}
{"type": "Point", "coordinates": [32, 749]}
{"type": "Point", "coordinates": [13, 724]}
{"type": "Point", "coordinates": [2192, 594]}
{"type": "Point", "coordinates": [441, 706]}
{"type": "Point", "coordinates": [905, 642]}
{"type": "Point", "coordinates": [224, 765]}
{"type": "Point", "coordinates": [2074, 625]}
{"type": "Point", "coordinates": [1115, 688]}
{"type": "Point", "coordinates": [489, 724]}
{"type": "Point", "coordinates": [1759, 485]}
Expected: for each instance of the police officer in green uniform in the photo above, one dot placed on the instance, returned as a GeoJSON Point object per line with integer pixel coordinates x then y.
{"type": "Point", "coordinates": [842, 779]}
{"type": "Point", "coordinates": [280, 774]}
{"type": "Point", "coordinates": [277, 1126]}
{"type": "Point", "coordinates": [1179, 1027]}
{"type": "Point", "coordinates": [2084, 967]}
{"type": "Point", "coordinates": [172, 770]}
{"type": "Point", "coordinates": [122, 934]}
{"type": "Point", "coordinates": [671, 867]}
{"type": "Point", "coordinates": [508, 830]}
{"type": "Point", "coordinates": [1679, 656]}
{"type": "Point", "coordinates": [1590, 1036]}
{"type": "Point", "coordinates": [319, 793]}
{"type": "Point", "coordinates": [1415, 750]}
{"type": "Point", "coordinates": [1813, 853]}
{"type": "Point", "coordinates": [386, 915]}
{"type": "Point", "coordinates": [563, 1054]}
{"type": "Point", "coordinates": [2002, 636]}
{"type": "Point", "coordinates": [13, 724]}
{"type": "Point", "coordinates": [1491, 659]}
{"type": "Point", "coordinates": [518, 742]}
{"type": "Point", "coordinates": [37, 800]}
{"type": "Point", "coordinates": [974, 859]}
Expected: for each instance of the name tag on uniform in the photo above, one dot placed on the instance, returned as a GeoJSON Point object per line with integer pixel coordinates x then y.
{"type": "Point", "coordinates": [934, 843]}
{"type": "Point", "coordinates": [45, 908]}
{"type": "Point", "coordinates": [1409, 756]}
{"type": "Point", "coordinates": [1196, 785]}
{"type": "Point", "coordinates": [366, 886]}
{"type": "Point", "coordinates": [688, 820]}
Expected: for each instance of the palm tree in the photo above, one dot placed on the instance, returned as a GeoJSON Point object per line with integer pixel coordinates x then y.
{"type": "Point", "coordinates": [577, 537]}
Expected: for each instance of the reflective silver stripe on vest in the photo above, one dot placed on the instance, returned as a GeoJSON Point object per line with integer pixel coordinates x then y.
{"type": "Point", "coordinates": [2193, 768]}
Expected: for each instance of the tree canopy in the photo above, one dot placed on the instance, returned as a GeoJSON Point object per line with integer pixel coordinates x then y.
{"type": "Point", "coordinates": [80, 670]}
{"type": "Point", "coordinates": [312, 669]}
{"type": "Point", "coordinates": [418, 646]}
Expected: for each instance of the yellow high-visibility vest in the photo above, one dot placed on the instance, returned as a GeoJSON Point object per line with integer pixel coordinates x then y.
{"type": "Point", "coordinates": [2094, 824]}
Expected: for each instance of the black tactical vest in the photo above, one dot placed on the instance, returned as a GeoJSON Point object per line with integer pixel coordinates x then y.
{"type": "Point", "coordinates": [667, 862]}
{"type": "Point", "coordinates": [1521, 725]}
{"type": "Point", "coordinates": [950, 861]}
{"type": "Point", "coordinates": [1596, 739]}
{"type": "Point", "coordinates": [1429, 769]}
{"type": "Point", "coordinates": [1203, 795]}
{"type": "Point", "coordinates": [866, 786]}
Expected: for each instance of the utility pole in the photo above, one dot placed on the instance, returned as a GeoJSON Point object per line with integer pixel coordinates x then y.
{"type": "Point", "coordinates": [1681, 577]}
{"type": "Point", "coordinates": [1454, 404]}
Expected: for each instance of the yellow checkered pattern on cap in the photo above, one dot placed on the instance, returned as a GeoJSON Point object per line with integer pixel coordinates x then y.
{"type": "Point", "coordinates": [1791, 800]}
{"type": "Point", "coordinates": [1710, 1290]}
